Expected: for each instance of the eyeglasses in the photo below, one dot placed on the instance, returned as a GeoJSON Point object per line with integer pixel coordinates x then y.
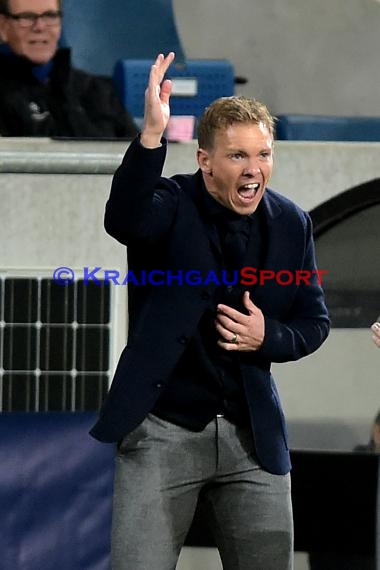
{"type": "Point", "coordinates": [29, 19]}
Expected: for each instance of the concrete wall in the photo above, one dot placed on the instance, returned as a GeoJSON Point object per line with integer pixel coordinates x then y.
{"type": "Point", "coordinates": [300, 56]}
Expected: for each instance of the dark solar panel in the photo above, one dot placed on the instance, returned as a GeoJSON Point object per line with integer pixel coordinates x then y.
{"type": "Point", "coordinates": [54, 344]}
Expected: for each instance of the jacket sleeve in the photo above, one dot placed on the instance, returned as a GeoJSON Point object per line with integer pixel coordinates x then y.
{"type": "Point", "coordinates": [142, 204]}
{"type": "Point", "coordinates": [308, 323]}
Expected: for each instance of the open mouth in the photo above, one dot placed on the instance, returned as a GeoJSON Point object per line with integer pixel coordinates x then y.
{"type": "Point", "coordinates": [248, 191]}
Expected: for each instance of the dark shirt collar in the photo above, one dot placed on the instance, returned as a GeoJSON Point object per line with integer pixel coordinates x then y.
{"type": "Point", "coordinates": [42, 71]}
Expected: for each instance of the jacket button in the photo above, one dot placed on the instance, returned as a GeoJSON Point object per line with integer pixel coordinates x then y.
{"type": "Point", "coordinates": [205, 295]}
{"type": "Point", "coordinates": [183, 339]}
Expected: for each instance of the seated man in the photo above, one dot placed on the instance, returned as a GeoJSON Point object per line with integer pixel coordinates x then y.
{"type": "Point", "coordinates": [40, 92]}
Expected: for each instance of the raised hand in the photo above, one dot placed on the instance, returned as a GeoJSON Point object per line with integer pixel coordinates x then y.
{"type": "Point", "coordinates": [157, 96]}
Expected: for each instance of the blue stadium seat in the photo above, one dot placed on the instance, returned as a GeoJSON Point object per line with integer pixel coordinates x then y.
{"type": "Point", "coordinates": [101, 32]}
{"type": "Point", "coordinates": [196, 83]}
{"type": "Point", "coordinates": [325, 128]}
{"type": "Point", "coordinates": [122, 39]}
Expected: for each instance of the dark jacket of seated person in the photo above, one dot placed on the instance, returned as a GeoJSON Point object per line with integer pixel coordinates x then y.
{"type": "Point", "coordinates": [54, 99]}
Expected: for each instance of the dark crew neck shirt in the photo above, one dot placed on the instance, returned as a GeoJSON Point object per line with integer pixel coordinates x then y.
{"type": "Point", "coordinates": [207, 380]}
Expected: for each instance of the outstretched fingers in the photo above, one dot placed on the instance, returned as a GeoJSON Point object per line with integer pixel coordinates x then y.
{"type": "Point", "coordinates": [157, 96]}
{"type": "Point", "coordinates": [158, 70]}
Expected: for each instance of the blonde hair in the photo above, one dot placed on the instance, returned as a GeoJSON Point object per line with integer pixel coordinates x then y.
{"type": "Point", "coordinates": [226, 111]}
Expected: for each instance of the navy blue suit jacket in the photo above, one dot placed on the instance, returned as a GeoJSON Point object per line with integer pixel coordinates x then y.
{"type": "Point", "coordinates": [157, 218]}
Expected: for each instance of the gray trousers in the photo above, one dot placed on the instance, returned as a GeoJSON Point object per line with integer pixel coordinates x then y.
{"type": "Point", "coordinates": [161, 472]}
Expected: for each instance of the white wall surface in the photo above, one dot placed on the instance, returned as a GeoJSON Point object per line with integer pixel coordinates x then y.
{"type": "Point", "coordinates": [300, 56]}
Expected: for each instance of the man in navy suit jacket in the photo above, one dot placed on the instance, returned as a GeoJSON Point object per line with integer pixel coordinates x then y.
{"type": "Point", "coordinates": [222, 282]}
